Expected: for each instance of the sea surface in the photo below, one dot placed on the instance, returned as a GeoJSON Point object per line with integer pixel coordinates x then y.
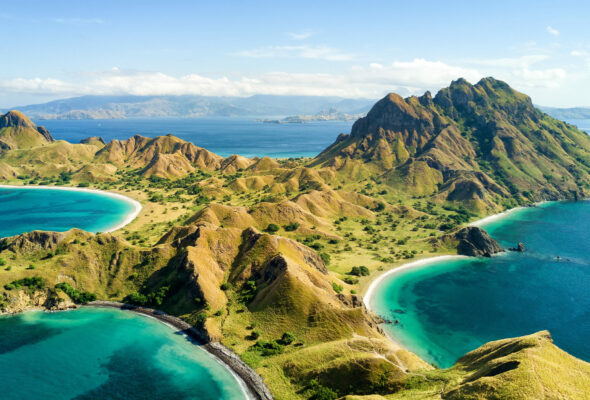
{"type": "Point", "coordinates": [25, 209]}
{"type": "Point", "coordinates": [224, 136]}
{"type": "Point", "coordinates": [449, 308]}
{"type": "Point", "coordinates": [96, 353]}
{"type": "Point", "coordinates": [583, 124]}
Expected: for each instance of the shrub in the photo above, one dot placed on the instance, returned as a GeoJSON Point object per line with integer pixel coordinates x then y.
{"type": "Point", "coordinates": [325, 258]}
{"type": "Point", "coordinates": [287, 338]}
{"type": "Point", "coordinates": [225, 286]}
{"type": "Point", "coordinates": [272, 228]}
{"type": "Point", "coordinates": [30, 283]}
{"type": "Point", "coordinates": [268, 348]}
{"type": "Point", "coordinates": [77, 296]}
{"type": "Point", "coordinates": [201, 319]}
{"type": "Point", "coordinates": [337, 288]}
{"type": "Point", "coordinates": [351, 281]}
{"type": "Point", "coordinates": [2, 262]}
{"type": "Point", "coordinates": [254, 335]}
{"type": "Point", "coordinates": [360, 271]}
{"type": "Point", "coordinates": [291, 227]}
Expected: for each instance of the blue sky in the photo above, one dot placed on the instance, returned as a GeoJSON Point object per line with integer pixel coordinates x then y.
{"type": "Point", "coordinates": [341, 48]}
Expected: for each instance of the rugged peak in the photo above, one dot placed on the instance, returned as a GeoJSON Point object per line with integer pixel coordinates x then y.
{"type": "Point", "coordinates": [16, 118]}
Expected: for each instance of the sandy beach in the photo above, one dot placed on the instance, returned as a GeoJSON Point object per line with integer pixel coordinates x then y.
{"type": "Point", "coordinates": [128, 218]}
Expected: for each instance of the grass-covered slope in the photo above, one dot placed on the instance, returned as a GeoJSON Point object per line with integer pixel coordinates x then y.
{"type": "Point", "coordinates": [17, 131]}
{"type": "Point", "coordinates": [476, 144]}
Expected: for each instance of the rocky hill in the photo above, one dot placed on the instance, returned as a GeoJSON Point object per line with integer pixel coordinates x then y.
{"type": "Point", "coordinates": [470, 143]}
{"type": "Point", "coordinates": [17, 131]}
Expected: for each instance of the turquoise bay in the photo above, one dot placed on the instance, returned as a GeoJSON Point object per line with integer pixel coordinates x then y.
{"type": "Point", "coordinates": [105, 354]}
{"type": "Point", "coordinates": [448, 308]}
{"type": "Point", "coordinates": [27, 209]}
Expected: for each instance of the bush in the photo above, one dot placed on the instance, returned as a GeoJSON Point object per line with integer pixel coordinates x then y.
{"type": "Point", "coordinates": [268, 348]}
{"type": "Point", "coordinates": [351, 281]}
{"type": "Point", "coordinates": [337, 288]}
{"type": "Point", "coordinates": [291, 227]}
{"type": "Point", "coordinates": [225, 286]}
{"type": "Point", "coordinates": [287, 338]}
{"type": "Point", "coordinates": [30, 283]}
{"type": "Point", "coordinates": [77, 296]}
{"type": "Point", "coordinates": [2, 262]}
{"type": "Point", "coordinates": [360, 271]}
{"type": "Point", "coordinates": [201, 319]}
{"type": "Point", "coordinates": [325, 258]}
{"type": "Point", "coordinates": [272, 228]}
{"type": "Point", "coordinates": [254, 335]}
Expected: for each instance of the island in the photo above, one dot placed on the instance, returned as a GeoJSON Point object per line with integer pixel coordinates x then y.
{"type": "Point", "coordinates": [269, 258]}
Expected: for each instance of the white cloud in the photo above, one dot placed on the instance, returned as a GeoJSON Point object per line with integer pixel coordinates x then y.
{"type": "Point", "coordinates": [528, 73]}
{"type": "Point", "coordinates": [579, 53]}
{"type": "Point", "coordinates": [310, 52]}
{"type": "Point", "coordinates": [552, 31]}
{"type": "Point", "coordinates": [301, 35]}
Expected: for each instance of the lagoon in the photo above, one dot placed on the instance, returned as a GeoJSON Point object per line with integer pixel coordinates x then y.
{"type": "Point", "coordinates": [23, 209]}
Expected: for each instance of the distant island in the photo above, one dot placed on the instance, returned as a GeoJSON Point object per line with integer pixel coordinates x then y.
{"type": "Point", "coordinates": [270, 257]}
{"type": "Point", "coordinates": [118, 107]}
{"type": "Point", "coordinates": [329, 115]}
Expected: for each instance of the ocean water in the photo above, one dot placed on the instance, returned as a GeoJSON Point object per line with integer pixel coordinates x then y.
{"type": "Point", "coordinates": [583, 124]}
{"type": "Point", "coordinates": [449, 308]}
{"type": "Point", "coordinates": [224, 136]}
{"type": "Point", "coordinates": [105, 354]}
{"type": "Point", "coordinates": [25, 209]}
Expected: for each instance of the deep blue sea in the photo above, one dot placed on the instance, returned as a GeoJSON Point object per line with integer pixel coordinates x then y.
{"type": "Point", "coordinates": [224, 136]}
{"type": "Point", "coordinates": [449, 308]}
{"type": "Point", "coordinates": [27, 209]}
{"type": "Point", "coordinates": [92, 353]}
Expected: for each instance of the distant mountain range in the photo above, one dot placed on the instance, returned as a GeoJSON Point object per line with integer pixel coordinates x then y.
{"type": "Point", "coordinates": [114, 107]}
{"type": "Point", "coordinates": [567, 113]}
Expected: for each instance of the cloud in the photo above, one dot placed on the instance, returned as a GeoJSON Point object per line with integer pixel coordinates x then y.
{"type": "Point", "coordinates": [372, 80]}
{"type": "Point", "coordinates": [579, 53]}
{"type": "Point", "coordinates": [301, 35]}
{"type": "Point", "coordinates": [552, 31]}
{"type": "Point", "coordinates": [309, 52]}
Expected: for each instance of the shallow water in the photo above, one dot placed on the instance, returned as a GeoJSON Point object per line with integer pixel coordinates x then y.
{"type": "Point", "coordinates": [449, 308]}
{"type": "Point", "coordinates": [105, 354]}
{"type": "Point", "coordinates": [24, 210]}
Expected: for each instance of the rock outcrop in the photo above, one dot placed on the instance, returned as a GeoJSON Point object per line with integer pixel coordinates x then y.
{"type": "Point", "coordinates": [476, 242]}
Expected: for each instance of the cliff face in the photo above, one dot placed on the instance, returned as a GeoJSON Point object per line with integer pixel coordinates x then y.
{"type": "Point", "coordinates": [471, 143]}
{"type": "Point", "coordinates": [17, 131]}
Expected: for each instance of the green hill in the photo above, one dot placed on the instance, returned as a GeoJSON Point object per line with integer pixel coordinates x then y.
{"type": "Point", "coordinates": [477, 144]}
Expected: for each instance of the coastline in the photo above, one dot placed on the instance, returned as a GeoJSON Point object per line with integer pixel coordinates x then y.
{"type": "Point", "coordinates": [128, 217]}
{"type": "Point", "coordinates": [370, 290]}
{"type": "Point", "coordinates": [251, 383]}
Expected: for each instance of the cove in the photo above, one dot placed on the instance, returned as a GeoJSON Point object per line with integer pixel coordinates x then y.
{"type": "Point", "coordinates": [23, 209]}
{"type": "Point", "coordinates": [93, 353]}
{"type": "Point", "coordinates": [450, 307]}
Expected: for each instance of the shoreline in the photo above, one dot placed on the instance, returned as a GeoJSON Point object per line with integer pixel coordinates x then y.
{"type": "Point", "coordinates": [251, 383]}
{"type": "Point", "coordinates": [129, 217]}
{"type": "Point", "coordinates": [371, 288]}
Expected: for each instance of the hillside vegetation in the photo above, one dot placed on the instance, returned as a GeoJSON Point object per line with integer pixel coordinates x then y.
{"type": "Point", "coordinates": [270, 256]}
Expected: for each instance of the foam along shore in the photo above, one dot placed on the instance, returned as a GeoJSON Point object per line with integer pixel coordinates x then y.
{"type": "Point", "coordinates": [251, 383]}
{"type": "Point", "coordinates": [128, 218]}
